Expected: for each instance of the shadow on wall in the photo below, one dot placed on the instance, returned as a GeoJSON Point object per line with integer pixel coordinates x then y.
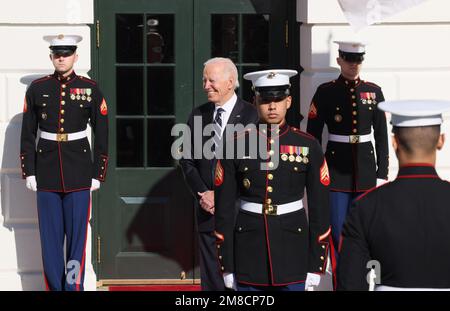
{"type": "Point", "coordinates": [19, 211]}
{"type": "Point", "coordinates": [164, 225]}
{"type": "Point", "coordinates": [18, 206]}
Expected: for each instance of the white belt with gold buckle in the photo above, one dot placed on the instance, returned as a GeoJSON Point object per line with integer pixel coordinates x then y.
{"type": "Point", "coordinates": [350, 139]}
{"type": "Point", "coordinates": [276, 209]}
{"type": "Point", "coordinates": [63, 136]}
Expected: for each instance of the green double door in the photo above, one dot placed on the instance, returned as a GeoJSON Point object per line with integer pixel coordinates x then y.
{"type": "Point", "coordinates": [148, 58]}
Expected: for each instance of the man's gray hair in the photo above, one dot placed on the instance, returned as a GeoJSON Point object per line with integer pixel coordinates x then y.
{"type": "Point", "coordinates": [230, 68]}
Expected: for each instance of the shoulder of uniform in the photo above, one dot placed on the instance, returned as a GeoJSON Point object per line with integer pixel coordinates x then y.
{"type": "Point", "coordinates": [327, 84]}
{"type": "Point", "coordinates": [83, 78]}
{"type": "Point", "coordinates": [41, 79]}
{"type": "Point", "coordinates": [371, 84]}
{"type": "Point", "coordinates": [371, 192]}
{"type": "Point", "coordinates": [301, 133]}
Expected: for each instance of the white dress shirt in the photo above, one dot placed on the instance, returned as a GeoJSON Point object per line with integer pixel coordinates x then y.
{"type": "Point", "coordinates": [228, 107]}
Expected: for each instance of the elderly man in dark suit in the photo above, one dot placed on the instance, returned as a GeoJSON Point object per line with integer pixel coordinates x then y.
{"type": "Point", "coordinates": [223, 109]}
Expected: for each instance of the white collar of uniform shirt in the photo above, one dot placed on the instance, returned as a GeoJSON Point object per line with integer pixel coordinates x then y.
{"type": "Point", "coordinates": [228, 107]}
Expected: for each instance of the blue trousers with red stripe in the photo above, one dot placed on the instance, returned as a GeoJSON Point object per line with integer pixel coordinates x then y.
{"type": "Point", "coordinates": [63, 215]}
{"type": "Point", "coordinates": [340, 203]}
{"type": "Point", "coordinates": [299, 287]}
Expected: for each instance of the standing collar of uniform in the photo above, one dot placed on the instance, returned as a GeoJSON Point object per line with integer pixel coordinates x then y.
{"type": "Point", "coordinates": [349, 83]}
{"type": "Point", "coordinates": [229, 105]}
{"type": "Point", "coordinates": [58, 77]}
{"type": "Point", "coordinates": [283, 128]}
{"type": "Point", "coordinates": [419, 170]}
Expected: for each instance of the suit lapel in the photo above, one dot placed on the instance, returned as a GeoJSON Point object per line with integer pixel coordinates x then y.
{"type": "Point", "coordinates": [235, 115]}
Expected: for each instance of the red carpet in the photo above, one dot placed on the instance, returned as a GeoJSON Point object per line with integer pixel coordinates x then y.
{"type": "Point", "coordinates": [154, 288]}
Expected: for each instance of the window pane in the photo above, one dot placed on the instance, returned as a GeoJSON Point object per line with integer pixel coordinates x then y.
{"type": "Point", "coordinates": [160, 86]}
{"type": "Point", "coordinates": [129, 88]}
{"type": "Point", "coordinates": [130, 143]}
{"type": "Point", "coordinates": [255, 30]}
{"type": "Point", "coordinates": [129, 32]}
{"type": "Point", "coordinates": [160, 142]}
{"type": "Point", "coordinates": [246, 86]}
{"type": "Point", "coordinates": [225, 36]}
{"type": "Point", "coordinates": [160, 35]}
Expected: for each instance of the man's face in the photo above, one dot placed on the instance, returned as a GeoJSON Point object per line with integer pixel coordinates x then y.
{"type": "Point", "coordinates": [63, 62]}
{"type": "Point", "coordinates": [272, 112]}
{"type": "Point", "coordinates": [217, 84]}
{"type": "Point", "coordinates": [349, 69]}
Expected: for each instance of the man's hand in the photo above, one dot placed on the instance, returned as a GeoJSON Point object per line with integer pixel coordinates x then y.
{"type": "Point", "coordinates": [31, 183]}
{"type": "Point", "coordinates": [381, 181]}
{"type": "Point", "coordinates": [230, 282]}
{"type": "Point", "coordinates": [207, 201]}
{"type": "Point", "coordinates": [312, 279]}
{"type": "Point", "coordinates": [95, 185]}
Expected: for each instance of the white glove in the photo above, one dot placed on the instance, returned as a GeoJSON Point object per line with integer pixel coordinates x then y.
{"type": "Point", "coordinates": [95, 184]}
{"type": "Point", "coordinates": [381, 181]}
{"type": "Point", "coordinates": [312, 279]}
{"type": "Point", "coordinates": [31, 183]}
{"type": "Point", "coordinates": [230, 282]}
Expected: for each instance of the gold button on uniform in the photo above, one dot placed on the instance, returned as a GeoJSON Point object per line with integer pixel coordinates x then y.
{"type": "Point", "coordinates": [269, 189]}
{"type": "Point", "coordinates": [270, 176]}
{"type": "Point", "coordinates": [322, 258]}
{"type": "Point", "coordinates": [296, 168]}
{"type": "Point", "coordinates": [271, 164]}
{"type": "Point", "coordinates": [354, 121]}
{"type": "Point", "coordinates": [63, 94]}
{"type": "Point", "coordinates": [63, 102]}
{"type": "Point", "coordinates": [355, 113]}
{"type": "Point", "coordinates": [62, 120]}
{"type": "Point", "coordinates": [271, 152]}
{"type": "Point", "coordinates": [61, 129]}
{"type": "Point", "coordinates": [62, 111]}
{"type": "Point", "coordinates": [63, 86]}
{"type": "Point", "coordinates": [352, 90]}
{"type": "Point", "coordinates": [269, 201]}
{"type": "Point", "coordinates": [355, 130]}
{"type": "Point", "coordinates": [299, 229]}
{"type": "Point", "coordinates": [272, 141]}
{"type": "Point", "coordinates": [354, 104]}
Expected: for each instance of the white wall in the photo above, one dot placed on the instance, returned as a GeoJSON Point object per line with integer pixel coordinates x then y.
{"type": "Point", "coordinates": [407, 55]}
{"type": "Point", "coordinates": [23, 58]}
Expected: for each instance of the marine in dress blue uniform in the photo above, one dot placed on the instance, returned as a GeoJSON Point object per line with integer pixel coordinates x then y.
{"type": "Point", "coordinates": [348, 106]}
{"type": "Point", "coordinates": [270, 245]}
{"type": "Point", "coordinates": [62, 168]}
{"type": "Point", "coordinates": [403, 224]}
